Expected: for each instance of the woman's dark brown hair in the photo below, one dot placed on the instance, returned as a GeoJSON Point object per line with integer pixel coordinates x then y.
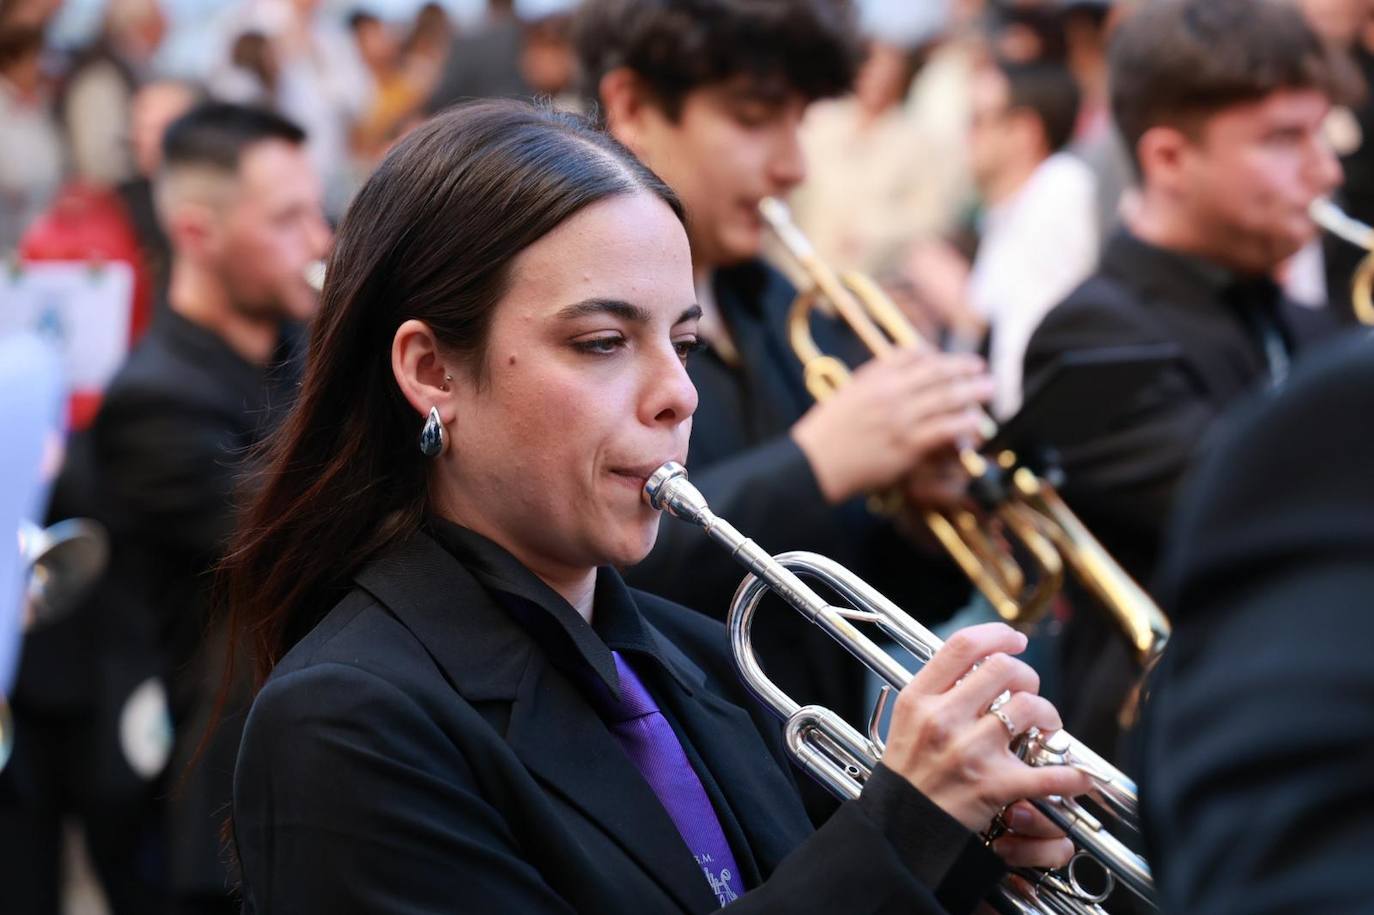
{"type": "Point", "coordinates": [430, 236]}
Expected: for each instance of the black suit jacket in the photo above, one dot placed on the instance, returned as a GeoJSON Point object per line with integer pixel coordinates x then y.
{"type": "Point", "coordinates": [422, 751]}
{"type": "Point", "coordinates": [1123, 480]}
{"type": "Point", "coordinates": [1257, 772]}
{"type": "Point", "coordinates": [165, 453]}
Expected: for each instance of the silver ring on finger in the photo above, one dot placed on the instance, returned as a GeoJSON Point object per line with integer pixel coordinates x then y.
{"type": "Point", "coordinates": [1002, 716]}
{"type": "Point", "coordinates": [1000, 701]}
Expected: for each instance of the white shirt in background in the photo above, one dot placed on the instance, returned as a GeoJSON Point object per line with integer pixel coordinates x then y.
{"type": "Point", "coordinates": [1036, 248]}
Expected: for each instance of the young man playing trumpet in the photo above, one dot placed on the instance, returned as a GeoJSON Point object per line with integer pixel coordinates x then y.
{"type": "Point", "coordinates": [1222, 103]}
{"type": "Point", "coordinates": [710, 96]}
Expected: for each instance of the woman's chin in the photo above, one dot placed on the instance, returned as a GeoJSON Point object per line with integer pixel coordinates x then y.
{"type": "Point", "coordinates": [636, 541]}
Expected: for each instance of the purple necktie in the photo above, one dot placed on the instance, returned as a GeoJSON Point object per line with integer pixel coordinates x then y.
{"type": "Point", "coordinates": [653, 747]}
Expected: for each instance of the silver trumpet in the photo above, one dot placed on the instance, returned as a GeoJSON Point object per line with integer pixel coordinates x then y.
{"type": "Point", "coordinates": [62, 563]}
{"type": "Point", "coordinates": [834, 752]}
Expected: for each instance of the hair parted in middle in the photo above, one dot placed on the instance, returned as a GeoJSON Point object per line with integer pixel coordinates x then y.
{"type": "Point", "coordinates": [432, 236]}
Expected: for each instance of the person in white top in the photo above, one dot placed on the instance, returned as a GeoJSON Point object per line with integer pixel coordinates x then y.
{"type": "Point", "coordinates": [1038, 230]}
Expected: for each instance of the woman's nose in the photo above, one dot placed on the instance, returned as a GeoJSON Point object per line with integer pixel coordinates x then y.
{"type": "Point", "coordinates": [670, 397]}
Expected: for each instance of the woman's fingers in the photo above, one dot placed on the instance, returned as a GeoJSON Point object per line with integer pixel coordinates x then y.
{"type": "Point", "coordinates": [996, 674]}
{"type": "Point", "coordinates": [964, 649]}
{"type": "Point", "coordinates": [1020, 713]}
{"type": "Point", "coordinates": [1024, 820]}
{"type": "Point", "coordinates": [1025, 851]}
{"type": "Point", "coordinates": [1023, 781]}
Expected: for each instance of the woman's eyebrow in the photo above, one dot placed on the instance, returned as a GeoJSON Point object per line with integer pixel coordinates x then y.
{"type": "Point", "coordinates": [620, 309]}
{"type": "Point", "coordinates": [626, 311]}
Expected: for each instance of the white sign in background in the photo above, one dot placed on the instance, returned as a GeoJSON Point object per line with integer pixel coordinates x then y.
{"type": "Point", "coordinates": [82, 309]}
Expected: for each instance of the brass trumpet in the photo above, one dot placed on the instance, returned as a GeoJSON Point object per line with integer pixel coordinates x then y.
{"type": "Point", "coordinates": [1028, 507]}
{"type": "Point", "coordinates": [833, 752]}
{"type": "Point", "coordinates": [1334, 220]}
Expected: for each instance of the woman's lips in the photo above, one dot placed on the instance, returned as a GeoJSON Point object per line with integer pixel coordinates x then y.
{"type": "Point", "coordinates": [639, 475]}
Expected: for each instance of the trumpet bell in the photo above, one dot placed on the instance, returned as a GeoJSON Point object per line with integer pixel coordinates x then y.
{"type": "Point", "coordinates": [64, 562]}
{"type": "Point", "coordinates": [1333, 219]}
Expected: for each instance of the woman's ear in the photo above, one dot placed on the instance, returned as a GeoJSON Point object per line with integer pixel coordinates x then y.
{"type": "Point", "coordinates": [423, 374]}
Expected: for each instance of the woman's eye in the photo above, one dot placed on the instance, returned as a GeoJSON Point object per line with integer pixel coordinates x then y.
{"type": "Point", "coordinates": [687, 347]}
{"type": "Point", "coordinates": [601, 346]}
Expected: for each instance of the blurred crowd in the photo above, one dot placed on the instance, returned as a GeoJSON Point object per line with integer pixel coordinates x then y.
{"type": "Point", "coordinates": [91, 116]}
{"type": "Point", "coordinates": [974, 171]}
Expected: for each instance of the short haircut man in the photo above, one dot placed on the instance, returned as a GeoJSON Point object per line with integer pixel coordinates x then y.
{"type": "Point", "coordinates": [241, 202]}
{"type": "Point", "coordinates": [1039, 237]}
{"type": "Point", "coordinates": [1223, 104]}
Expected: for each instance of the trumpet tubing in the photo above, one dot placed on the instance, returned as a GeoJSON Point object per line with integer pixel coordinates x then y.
{"type": "Point", "coordinates": [836, 754]}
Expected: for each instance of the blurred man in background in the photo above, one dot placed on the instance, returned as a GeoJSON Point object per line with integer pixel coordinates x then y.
{"type": "Point", "coordinates": [240, 202]}
{"type": "Point", "coordinates": [1223, 104]}
{"type": "Point", "coordinates": [1037, 233]}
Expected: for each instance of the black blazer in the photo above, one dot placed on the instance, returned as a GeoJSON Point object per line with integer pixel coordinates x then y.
{"type": "Point", "coordinates": [1257, 752]}
{"type": "Point", "coordinates": [420, 751]}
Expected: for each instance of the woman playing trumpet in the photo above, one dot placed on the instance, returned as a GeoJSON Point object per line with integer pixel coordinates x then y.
{"type": "Point", "coordinates": [464, 707]}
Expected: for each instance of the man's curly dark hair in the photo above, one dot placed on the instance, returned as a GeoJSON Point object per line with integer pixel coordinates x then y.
{"type": "Point", "coordinates": [808, 46]}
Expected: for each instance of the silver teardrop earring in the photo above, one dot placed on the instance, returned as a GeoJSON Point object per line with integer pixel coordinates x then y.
{"type": "Point", "coordinates": [433, 438]}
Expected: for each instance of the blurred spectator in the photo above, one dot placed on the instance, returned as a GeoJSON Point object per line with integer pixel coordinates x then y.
{"type": "Point", "coordinates": [1089, 25]}
{"type": "Point", "coordinates": [1085, 27]}
{"type": "Point", "coordinates": [155, 106]}
{"type": "Point", "coordinates": [88, 222]}
{"type": "Point", "coordinates": [396, 97]}
{"type": "Point", "coordinates": [323, 86]}
{"type": "Point", "coordinates": [484, 63]}
{"type": "Point", "coordinates": [32, 158]}
{"type": "Point", "coordinates": [33, 13]}
{"type": "Point", "coordinates": [547, 61]}
{"type": "Point", "coordinates": [98, 90]}
{"type": "Point", "coordinates": [425, 49]}
{"type": "Point", "coordinates": [874, 183]}
{"type": "Point", "coordinates": [939, 103]}
{"type": "Point", "coordinates": [1025, 32]}
{"type": "Point", "coordinates": [251, 75]}
{"type": "Point", "coordinates": [1038, 236]}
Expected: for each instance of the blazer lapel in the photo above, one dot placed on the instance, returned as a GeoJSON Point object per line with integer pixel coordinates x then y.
{"type": "Point", "coordinates": [486, 656]}
{"type": "Point", "coordinates": [560, 739]}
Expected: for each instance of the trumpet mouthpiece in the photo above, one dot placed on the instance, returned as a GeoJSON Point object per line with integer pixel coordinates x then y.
{"type": "Point", "coordinates": [667, 489]}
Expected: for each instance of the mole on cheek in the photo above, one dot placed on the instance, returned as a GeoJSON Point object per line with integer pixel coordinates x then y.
{"type": "Point", "coordinates": [512, 361]}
